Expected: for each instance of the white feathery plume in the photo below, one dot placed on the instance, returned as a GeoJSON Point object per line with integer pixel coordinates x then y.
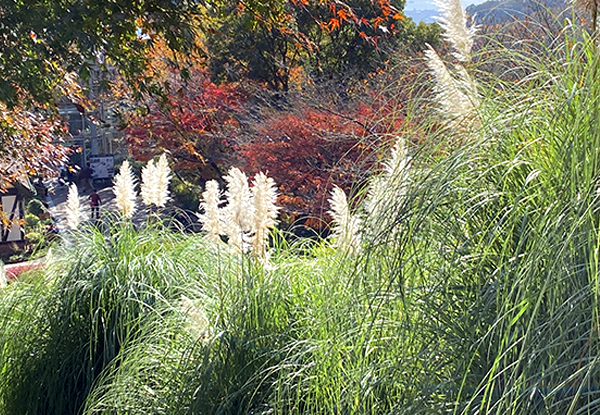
{"type": "Point", "coordinates": [393, 179]}
{"type": "Point", "coordinates": [345, 226]}
{"type": "Point", "coordinates": [198, 326]}
{"type": "Point", "coordinates": [455, 104]}
{"type": "Point", "coordinates": [264, 197]}
{"type": "Point", "coordinates": [467, 84]}
{"type": "Point", "coordinates": [212, 221]}
{"type": "Point", "coordinates": [376, 196]}
{"type": "Point", "coordinates": [387, 190]}
{"type": "Point", "coordinates": [155, 182]}
{"type": "Point", "coordinates": [454, 23]}
{"type": "Point", "coordinates": [239, 211]}
{"type": "Point", "coordinates": [124, 190]}
{"type": "Point", "coordinates": [399, 161]}
{"type": "Point", "coordinates": [163, 173]}
{"type": "Point", "coordinates": [73, 208]}
{"type": "Point", "coordinates": [148, 186]}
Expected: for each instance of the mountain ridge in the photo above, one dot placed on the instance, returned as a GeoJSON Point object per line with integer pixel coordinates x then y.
{"type": "Point", "coordinates": [496, 11]}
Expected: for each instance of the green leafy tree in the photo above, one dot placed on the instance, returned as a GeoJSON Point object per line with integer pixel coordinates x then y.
{"type": "Point", "coordinates": [47, 48]}
{"type": "Point", "coordinates": [355, 37]}
{"type": "Point", "coordinates": [255, 40]}
{"type": "Point", "coordinates": [42, 42]}
{"type": "Point", "coordinates": [325, 39]}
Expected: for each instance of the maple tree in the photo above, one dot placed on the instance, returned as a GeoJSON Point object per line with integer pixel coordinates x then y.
{"type": "Point", "coordinates": [314, 142]}
{"type": "Point", "coordinates": [208, 126]}
{"type": "Point", "coordinates": [29, 145]}
{"type": "Point", "coordinates": [194, 120]}
{"type": "Point", "coordinates": [308, 150]}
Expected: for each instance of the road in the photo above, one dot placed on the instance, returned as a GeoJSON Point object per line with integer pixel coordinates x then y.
{"type": "Point", "coordinates": [57, 198]}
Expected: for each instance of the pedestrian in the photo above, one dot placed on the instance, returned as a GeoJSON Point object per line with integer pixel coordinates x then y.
{"type": "Point", "coordinates": [95, 203]}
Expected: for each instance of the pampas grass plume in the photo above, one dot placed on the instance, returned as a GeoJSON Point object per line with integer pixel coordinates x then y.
{"type": "Point", "coordinates": [148, 183]}
{"type": "Point", "coordinates": [454, 102]}
{"type": "Point", "coordinates": [399, 161]}
{"type": "Point", "coordinates": [345, 229]}
{"type": "Point", "coordinates": [155, 182]}
{"type": "Point", "coordinates": [454, 23]}
{"type": "Point", "coordinates": [124, 189]}
{"type": "Point", "coordinates": [3, 277]}
{"type": "Point", "coordinates": [73, 212]}
{"type": "Point", "coordinates": [212, 222]}
{"type": "Point", "coordinates": [198, 325]}
{"type": "Point", "coordinates": [163, 173]}
{"type": "Point", "coordinates": [390, 184]}
{"type": "Point", "coordinates": [264, 198]}
{"type": "Point", "coordinates": [239, 211]}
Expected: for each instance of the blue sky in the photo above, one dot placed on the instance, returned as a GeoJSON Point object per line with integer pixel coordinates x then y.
{"type": "Point", "coordinates": [428, 4]}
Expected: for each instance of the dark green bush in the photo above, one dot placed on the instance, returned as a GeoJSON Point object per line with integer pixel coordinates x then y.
{"type": "Point", "coordinates": [36, 207]}
{"type": "Point", "coordinates": [185, 194]}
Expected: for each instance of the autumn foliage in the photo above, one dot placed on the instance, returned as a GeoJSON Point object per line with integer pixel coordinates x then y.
{"type": "Point", "coordinates": [195, 122]}
{"type": "Point", "coordinates": [306, 144]}
{"type": "Point", "coordinates": [307, 139]}
{"type": "Point", "coordinates": [31, 144]}
{"type": "Point", "coordinates": [309, 150]}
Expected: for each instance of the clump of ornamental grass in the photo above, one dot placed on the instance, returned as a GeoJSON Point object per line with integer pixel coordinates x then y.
{"type": "Point", "coordinates": [62, 331]}
{"type": "Point", "coordinates": [124, 190]}
{"type": "Point", "coordinates": [481, 295]}
{"type": "Point", "coordinates": [155, 182]}
{"type": "Point", "coordinates": [494, 251]}
{"type": "Point", "coordinates": [151, 372]}
{"type": "Point", "coordinates": [270, 351]}
{"type": "Point", "coordinates": [248, 215]}
{"type": "Point", "coordinates": [73, 210]}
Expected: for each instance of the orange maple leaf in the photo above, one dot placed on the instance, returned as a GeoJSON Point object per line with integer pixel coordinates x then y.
{"type": "Point", "coordinates": [334, 24]}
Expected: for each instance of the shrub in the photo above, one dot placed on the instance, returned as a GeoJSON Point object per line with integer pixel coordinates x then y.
{"type": "Point", "coordinates": [34, 238]}
{"type": "Point", "coordinates": [36, 207]}
{"type": "Point", "coordinates": [186, 194]}
{"type": "Point", "coordinates": [31, 221]}
{"type": "Point", "coordinates": [307, 152]}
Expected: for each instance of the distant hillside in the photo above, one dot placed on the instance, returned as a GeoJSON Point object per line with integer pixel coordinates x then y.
{"type": "Point", "coordinates": [501, 11]}
{"type": "Point", "coordinates": [495, 11]}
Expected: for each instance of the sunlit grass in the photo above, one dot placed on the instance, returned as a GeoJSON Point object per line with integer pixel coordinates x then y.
{"type": "Point", "coordinates": [475, 289]}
